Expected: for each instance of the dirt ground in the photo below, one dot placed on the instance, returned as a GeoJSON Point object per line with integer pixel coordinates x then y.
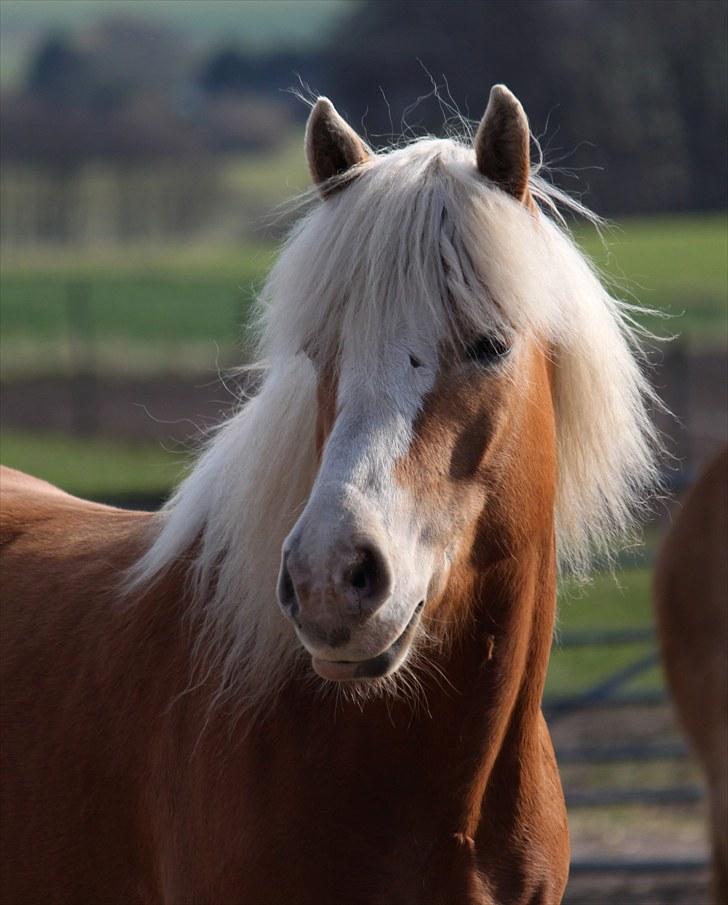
{"type": "Point", "coordinates": [664, 889]}
{"type": "Point", "coordinates": [666, 833]}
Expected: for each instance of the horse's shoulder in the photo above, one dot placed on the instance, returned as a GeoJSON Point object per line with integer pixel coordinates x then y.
{"type": "Point", "coordinates": [14, 483]}
{"type": "Point", "coordinates": [30, 506]}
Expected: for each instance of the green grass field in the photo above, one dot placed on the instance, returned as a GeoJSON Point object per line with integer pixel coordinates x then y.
{"type": "Point", "coordinates": [136, 312]}
{"type": "Point", "coordinates": [677, 265]}
{"type": "Point", "coordinates": [126, 324]}
{"type": "Point", "coordinates": [93, 468]}
{"type": "Point", "coordinates": [150, 309]}
{"type": "Point", "coordinates": [620, 600]}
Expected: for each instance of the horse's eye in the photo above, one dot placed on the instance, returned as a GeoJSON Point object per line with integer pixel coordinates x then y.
{"type": "Point", "coordinates": [487, 349]}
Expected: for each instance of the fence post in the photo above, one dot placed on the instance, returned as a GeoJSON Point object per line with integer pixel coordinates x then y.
{"type": "Point", "coordinates": [83, 386]}
{"type": "Point", "coordinates": [679, 401]}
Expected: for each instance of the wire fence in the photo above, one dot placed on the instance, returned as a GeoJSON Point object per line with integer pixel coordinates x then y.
{"type": "Point", "coordinates": [609, 692]}
{"type": "Point", "coordinates": [83, 332]}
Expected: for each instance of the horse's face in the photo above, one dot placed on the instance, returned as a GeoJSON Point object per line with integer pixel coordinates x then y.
{"type": "Point", "coordinates": [408, 455]}
{"type": "Point", "coordinates": [406, 468]}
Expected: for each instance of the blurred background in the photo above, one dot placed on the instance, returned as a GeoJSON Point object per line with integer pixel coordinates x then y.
{"type": "Point", "coordinates": [146, 150]}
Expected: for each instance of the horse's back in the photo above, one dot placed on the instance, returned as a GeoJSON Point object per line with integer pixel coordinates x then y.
{"type": "Point", "coordinates": [39, 520]}
{"type": "Point", "coordinates": [691, 600]}
{"type": "Point", "coordinates": [27, 502]}
{"type": "Point", "coordinates": [61, 656]}
{"type": "Point", "coordinates": [14, 483]}
{"type": "Point", "coordinates": [58, 554]}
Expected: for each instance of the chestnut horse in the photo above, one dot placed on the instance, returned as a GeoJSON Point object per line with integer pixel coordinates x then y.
{"type": "Point", "coordinates": [451, 403]}
{"type": "Point", "coordinates": [691, 603]}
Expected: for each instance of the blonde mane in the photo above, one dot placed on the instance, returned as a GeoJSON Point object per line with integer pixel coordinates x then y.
{"type": "Point", "coordinates": [419, 234]}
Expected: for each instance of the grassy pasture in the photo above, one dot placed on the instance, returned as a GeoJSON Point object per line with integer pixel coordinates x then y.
{"type": "Point", "coordinates": [92, 467]}
{"type": "Point", "coordinates": [174, 310]}
{"type": "Point", "coordinates": [132, 314]}
{"type": "Point", "coordinates": [128, 324]}
{"type": "Point", "coordinates": [677, 265]}
{"type": "Point", "coordinates": [614, 601]}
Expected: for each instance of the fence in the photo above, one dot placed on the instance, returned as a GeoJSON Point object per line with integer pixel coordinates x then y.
{"type": "Point", "coordinates": [69, 350]}
{"type": "Point", "coordinates": [84, 331]}
{"type": "Point", "coordinates": [608, 692]}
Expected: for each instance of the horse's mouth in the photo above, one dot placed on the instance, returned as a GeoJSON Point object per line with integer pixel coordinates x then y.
{"type": "Point", "coordinates": [375, 667]}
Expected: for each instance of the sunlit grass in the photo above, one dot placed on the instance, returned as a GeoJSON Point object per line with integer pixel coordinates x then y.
{"type": "Point", "coordinates": [91, 467]}
{"type": "Point", "coordinates": [677, 265]}
{"type": "Point", "coordinates": [271, 175]}
{"type": "Point", "coordinates": [202, 292]}
{"type": "Point", "coordinates": [620, 600]}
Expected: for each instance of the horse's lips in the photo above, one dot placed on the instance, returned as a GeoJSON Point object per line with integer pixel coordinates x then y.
{"type": "Point", "coordinates": [373, 668]}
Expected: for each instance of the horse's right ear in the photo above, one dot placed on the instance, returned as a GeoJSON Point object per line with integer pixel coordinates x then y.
{"type": "Point", "coordinates": [502, 144]}
{"type": "Point", "coordinates": [332, 146]}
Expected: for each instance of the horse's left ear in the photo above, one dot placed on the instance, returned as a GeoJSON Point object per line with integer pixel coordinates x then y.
{"type": "Point", "coordinates": [332, 146]}
{"type": "Point", "coordinates": [502, 143]}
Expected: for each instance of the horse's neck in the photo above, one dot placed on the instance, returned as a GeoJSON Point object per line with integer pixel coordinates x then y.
{"type": "Point", "coordinates": [428, 794]}
{"type": "Point", "coordinates": [498, 667]}
{"type": "Point", "coordinates": [479, 716]}
{"type": "Point", "coordinates": [490, 770]}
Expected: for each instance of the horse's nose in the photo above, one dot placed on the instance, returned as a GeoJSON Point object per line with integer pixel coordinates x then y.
{"type": "Point", "coordinates": [356, 583]}
{"type": "Point", "coordinates": [287, 596]}
{"type": "Point", "coordinates": [368, 577]}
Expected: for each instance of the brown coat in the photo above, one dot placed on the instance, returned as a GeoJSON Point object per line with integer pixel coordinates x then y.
{"type": "Point", "coordinates": [691, 600]}
{"type": "Point", "coordinates": [120, 787]}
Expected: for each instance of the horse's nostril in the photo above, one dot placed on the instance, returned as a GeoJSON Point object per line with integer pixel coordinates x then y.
{"type": "Point", "coordinates": [309, 597]}
{"type": "Point", "coordinates": [286, 590]}
{"type": "Point", "coordinates": [369, 575]}
{"type": "Point", "coordinates": [359, 575]}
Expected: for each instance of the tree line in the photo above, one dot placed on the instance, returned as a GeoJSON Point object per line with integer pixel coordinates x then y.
{"type": "Point", "coordinates": [627, 97]}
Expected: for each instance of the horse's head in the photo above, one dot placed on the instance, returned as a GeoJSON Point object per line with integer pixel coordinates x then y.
{"type": "Point", "coordinates": [425, 386]}
{"type": "Point", "coordinates": [449, 394]}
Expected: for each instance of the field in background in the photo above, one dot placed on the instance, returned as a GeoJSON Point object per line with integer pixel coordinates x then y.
{"type": "Point", "coordinates": [677, 265]}
{"type": "Point", "coordinates": [126, 320]}
{"type": "Point", "coordinates": [620, 600]}
{"type": "Point", "coordinates": [166, 310]}
{"type": "Point", "coordinates": [92, 467]}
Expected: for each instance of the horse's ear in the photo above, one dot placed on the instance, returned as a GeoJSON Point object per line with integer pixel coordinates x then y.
{"type": "Point", "coordinates": [502, 143]}
{"type": "Point", "coordinates": [332, 146]}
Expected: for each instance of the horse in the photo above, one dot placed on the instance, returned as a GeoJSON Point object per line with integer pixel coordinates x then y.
{"type": "Point", "coordinates": [315, 676]}
{"type": "Point", "coordinates": [691, 605]}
